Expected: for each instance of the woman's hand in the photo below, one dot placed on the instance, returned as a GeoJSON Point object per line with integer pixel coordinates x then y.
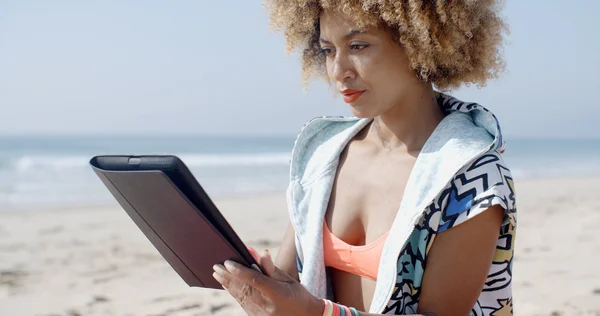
{"type": "Point", "coordinates": [272, 293]}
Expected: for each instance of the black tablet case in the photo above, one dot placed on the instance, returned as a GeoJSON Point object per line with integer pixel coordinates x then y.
{"type": "Point", "coordinates": [187, 240]}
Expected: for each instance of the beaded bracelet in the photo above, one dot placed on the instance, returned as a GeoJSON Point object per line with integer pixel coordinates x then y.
{"type": "Point", "coordinates": [334, 309]}
{"type": "Point", "coordinates": [328, 311]}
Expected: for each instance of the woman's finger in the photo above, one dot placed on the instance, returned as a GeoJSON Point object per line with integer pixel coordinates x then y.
{"type": "Point", "coordinates": [229, 281]}
{"type": "Point", "coordinates": [222, 275]}
{"type": "Point", "coordinates": [254, 253]}
{"type": "Point", "coordinates": [251, 300]}
{"type": "Point", "coordinates": [257, 280]}
{"type": "Point", "coordinates": [233, 283]}
{"type": "Point", "coordinates": [266, 262]}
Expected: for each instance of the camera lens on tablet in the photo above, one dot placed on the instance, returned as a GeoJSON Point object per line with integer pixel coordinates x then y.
{"type": "Point", "coordinates": [134, 161]}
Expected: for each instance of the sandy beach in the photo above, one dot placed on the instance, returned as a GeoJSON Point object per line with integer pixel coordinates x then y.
{"type": "Point", "coordinates": [95, 261]}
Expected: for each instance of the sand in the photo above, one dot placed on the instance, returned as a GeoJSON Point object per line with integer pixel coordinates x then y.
{"type": "Point", "coordinates": [94, 261]}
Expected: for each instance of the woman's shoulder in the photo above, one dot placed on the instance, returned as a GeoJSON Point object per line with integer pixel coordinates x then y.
{"type": "Point", "coordinates": [325, 125]}
{"type": "Point", "coordinates": [471, 121]}
{"type": "Point", "coordinates": [319, 141]}
{"type": "Point", "coordinates": [488, 180]}
{"type": "Point", "coordinates": [484, 182]}
{"type": "Point", "coordinates": [320, 130]}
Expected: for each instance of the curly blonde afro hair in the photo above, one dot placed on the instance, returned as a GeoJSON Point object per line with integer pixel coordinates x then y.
{"type": "Point", "coordinates": [448, 43]}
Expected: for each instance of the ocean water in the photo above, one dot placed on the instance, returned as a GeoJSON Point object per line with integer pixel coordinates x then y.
{"type": "Point", "coordinates": [47, 172]}
{"type": "Point", "coordinates": [54, 171]}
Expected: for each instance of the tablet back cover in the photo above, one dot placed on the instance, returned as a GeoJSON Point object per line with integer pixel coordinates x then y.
{"type": "Point", "coordinates": [176, 228]}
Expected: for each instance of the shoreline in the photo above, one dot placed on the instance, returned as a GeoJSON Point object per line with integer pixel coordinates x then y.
{"type": "Point", "coordinates": [112, 203]}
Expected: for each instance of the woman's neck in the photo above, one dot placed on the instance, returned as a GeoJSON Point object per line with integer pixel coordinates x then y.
{"type": "Point", "coordinates": [408, 125]}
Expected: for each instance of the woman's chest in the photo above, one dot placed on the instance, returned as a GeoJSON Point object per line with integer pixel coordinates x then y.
{"type": "Point", "coordinates": [365, 198]}
{"type": "Point", "coordinates": [366, 195]}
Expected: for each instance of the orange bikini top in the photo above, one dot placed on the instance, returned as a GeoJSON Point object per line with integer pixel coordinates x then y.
{"type": "Point", "coordinates": [359, 260]}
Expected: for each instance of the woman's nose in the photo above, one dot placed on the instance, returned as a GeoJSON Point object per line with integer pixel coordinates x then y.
{"type": "Point", "coordinates": [342, 69]}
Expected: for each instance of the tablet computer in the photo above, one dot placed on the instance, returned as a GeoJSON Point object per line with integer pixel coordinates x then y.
{"type": "Point", "coordinates": [171, 208]}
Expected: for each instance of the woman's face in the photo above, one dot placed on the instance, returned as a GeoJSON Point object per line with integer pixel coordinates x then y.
{"type": "Point", "coordinates": [367, 66]}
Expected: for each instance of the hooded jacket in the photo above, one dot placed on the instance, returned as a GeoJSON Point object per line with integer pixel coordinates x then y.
{"type": "Point", "coordinates": [458, 174]}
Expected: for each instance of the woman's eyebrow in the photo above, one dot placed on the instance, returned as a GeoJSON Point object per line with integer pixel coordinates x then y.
{"type": "Point", "coordinates": [347, 36]}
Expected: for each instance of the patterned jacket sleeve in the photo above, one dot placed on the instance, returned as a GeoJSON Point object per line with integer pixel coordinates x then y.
{"type": "Point", "coordinates": [479, 185]}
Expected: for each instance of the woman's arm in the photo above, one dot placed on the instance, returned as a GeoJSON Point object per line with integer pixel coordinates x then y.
{"type": "Point", "coordinates": [458, 264]}
{"type": "Point", "coordinates": [286, 257]}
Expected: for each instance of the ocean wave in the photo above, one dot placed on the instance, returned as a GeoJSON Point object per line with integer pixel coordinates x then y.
{"type": "Point", "coordinates": [28, 163]}
{"type": "Point", "coordinates": [556, 171]}
{"type": "Point", "coordinates": [205, 160]}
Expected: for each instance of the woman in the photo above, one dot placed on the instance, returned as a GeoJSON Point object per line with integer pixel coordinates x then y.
{"type": "Point", "coordinates": [408, 207]}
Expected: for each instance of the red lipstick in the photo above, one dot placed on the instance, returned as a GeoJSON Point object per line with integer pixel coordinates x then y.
{"type": "Point", "coordinates": [350, 95]}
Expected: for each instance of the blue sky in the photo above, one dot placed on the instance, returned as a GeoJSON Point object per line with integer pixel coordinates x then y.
{"type": "Point", "coordinates": [149, 67]}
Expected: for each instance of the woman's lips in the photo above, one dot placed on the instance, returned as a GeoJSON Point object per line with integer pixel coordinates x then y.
{"type": "Point", "coordinates": [351, 96]}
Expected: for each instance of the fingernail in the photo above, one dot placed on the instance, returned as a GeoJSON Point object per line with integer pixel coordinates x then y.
{"type": "Point", "coordinates": [229, 264]}
{"type": "Point", "coordinates": [217, 277]}
{"type": "Point", "coordinates": [218, 268]}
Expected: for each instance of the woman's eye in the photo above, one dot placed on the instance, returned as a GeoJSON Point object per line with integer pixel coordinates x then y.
{"type": "Point", "coordinates": [357, 47]}
{"type": "Point", "coordinates": [326, 51]}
